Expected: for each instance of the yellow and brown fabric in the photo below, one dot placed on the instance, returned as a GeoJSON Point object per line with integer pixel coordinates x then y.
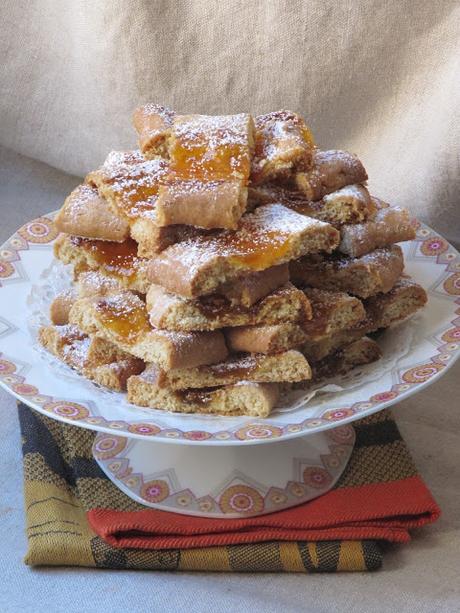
{"type": "Point", "coordinates": [76, 516]}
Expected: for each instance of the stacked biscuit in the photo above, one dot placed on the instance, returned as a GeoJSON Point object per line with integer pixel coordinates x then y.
{"type": "Point", "coordinates": [226, 259]}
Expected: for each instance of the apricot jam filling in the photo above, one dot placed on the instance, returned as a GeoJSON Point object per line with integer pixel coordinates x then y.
{"type": "Point", "coordinates": [210, 148]}
{"type": "Point", "coordinates": [115, 258]}
{"type": "Point", "coordinates": [126, 318]}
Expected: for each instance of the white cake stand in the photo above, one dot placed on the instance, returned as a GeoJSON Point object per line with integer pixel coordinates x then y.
{"type": "Point", "coordinates": [230, 481]}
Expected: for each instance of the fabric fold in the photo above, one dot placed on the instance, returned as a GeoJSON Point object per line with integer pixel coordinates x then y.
{"type": "Point", "coordinates": [377, 511]}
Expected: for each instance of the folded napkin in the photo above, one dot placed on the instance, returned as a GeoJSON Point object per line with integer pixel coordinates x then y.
{"type": "Point", "coordinates": [76, 516]}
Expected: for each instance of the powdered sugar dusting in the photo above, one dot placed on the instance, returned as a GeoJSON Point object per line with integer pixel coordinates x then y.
{"type": "Point", "coordinates": [76, 353]}
{"type": "Point", "coordinates": [131, 181]}
{"type": "Point", "coordinates": [214, 131]}
{"type": "Point", "coordinates": [276, 133]}
{"type": "Point", "coordinates": [151, 108]}
{"type": "Point", "coordinates": [260, 231]}
{"type": "Point", "coordinates": [348, 192]}
{"type": "Point", "coordinates": [80, 199]}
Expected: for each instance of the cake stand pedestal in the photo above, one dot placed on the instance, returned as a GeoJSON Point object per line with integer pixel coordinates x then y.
{"type": "Point", "coordinates": [229, 481]}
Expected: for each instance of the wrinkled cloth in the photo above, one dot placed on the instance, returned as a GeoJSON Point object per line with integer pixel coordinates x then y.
{"type": "Point", "coordinates": [76, 516]}
{"type": "Point", "coordinates": [379, 79]}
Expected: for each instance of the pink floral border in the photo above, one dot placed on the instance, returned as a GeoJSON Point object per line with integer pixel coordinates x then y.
{"type": "Point", "coordinates": [241, 499]}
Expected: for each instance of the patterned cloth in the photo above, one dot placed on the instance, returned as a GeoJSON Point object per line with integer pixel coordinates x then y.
{"type": "Point", "coordinates": [77, 517]}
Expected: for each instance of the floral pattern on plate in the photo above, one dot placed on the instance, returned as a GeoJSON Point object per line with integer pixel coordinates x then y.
{"type": "Point", "coordinates": [270, 479]}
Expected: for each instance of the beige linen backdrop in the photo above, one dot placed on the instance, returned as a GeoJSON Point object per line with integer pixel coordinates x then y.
{"type": "Point", "coordinates": [379, 78]}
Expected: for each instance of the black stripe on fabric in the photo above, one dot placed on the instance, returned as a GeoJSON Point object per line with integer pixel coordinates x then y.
{"type": "Point", "coordinates": [84, 468]}
{"type": "Point", "coordinates": [381, 433]}
{"type": "Point", "coordinates": [372, 553]}
{"type": "Point", "coordinates": [305, 557]}
{"type": "Point", "coordinates": [106, 556]}
{"type": "Point", "coordinates": [38, 439]}
{"type": "Point", "coordinates": [328, 555]}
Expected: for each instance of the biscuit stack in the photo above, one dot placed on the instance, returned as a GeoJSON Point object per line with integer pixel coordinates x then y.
{"type": "Point", "coordinates": [226, 259]}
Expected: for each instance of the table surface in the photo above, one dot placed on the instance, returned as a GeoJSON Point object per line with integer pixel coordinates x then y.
{"type": "Point", "coordinates": [422, 576]}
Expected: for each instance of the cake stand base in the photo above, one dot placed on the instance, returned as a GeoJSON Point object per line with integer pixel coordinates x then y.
{"type": "Point", "coordinates": [230, 481]}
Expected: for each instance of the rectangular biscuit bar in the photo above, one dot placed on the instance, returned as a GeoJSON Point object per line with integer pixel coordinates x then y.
{"type": "Point", "coordinates": [286, 366]}
{"type": "Point", "coordinates": [93, 357]}
{"type": "Point", "coordinates": [382, 310]}
{"type": "Point", "coordinates": [209, 164]}
{"type": "Point", "coordinates": [173, 312]}
{"type": "Point", "coordinates": [350, 204]}
{"type": "Point", "coordinates": [270, 236]}
{"type": "Point", "coordinates": [332, 311]}
{"type": "Point", "coordinates": [118, 261]}
{"type": "Point", "coordinates": [203, 204]}
{"type": "Point", "coordinates": [153, 123]}
{"type": "Point", "coordinates": [252, 287]}
{"type": "Point", "coordinates": [84, 213]}
{"type": "Point", "coordinates": [357, 353]}
{"type": "Point", "coordinates": [404, 299]}
{"type": "Point", "coordinates": [265, 338]}
{"type": "Point", "coordinates": [331, 170]}
{"type": "Point", "coordinates": [283, 144]}
{"type": "Point", "coordinates": [202, 147]}
{"type": "Point", "coordinates": [363, 276]}
{"type": "Point", "coordinates": [389, 225]}
{"type": "Point", "coordinates": [244, 398]}
{"type": "Point", "coordinates": [123, 320]}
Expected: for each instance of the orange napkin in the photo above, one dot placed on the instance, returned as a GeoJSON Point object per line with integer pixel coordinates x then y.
{"type": "Point", "coordinates": [383, 511]}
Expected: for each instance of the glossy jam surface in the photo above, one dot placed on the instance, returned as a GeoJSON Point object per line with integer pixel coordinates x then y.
{"type": "Point", "coordinates": [210, 148]}
{"type": "Point", "coordinates": [268, 237]}
{"type": "Point", "coordinates": [259, 251]}
{"type": "Point", "coordinates": [125, 316]}
{"type": "Point", "coordinates": [135, 203]}
{"type": "Point", "coordinates": [265, 237]}
{"type": "Point", "coordinates": [116, 258]}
